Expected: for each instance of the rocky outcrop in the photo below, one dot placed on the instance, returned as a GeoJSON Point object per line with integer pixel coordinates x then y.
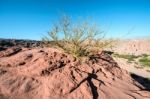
{"type": "Point", "coordinates": [6, 43]}
{"type": "Point", "coordinates": [47, 73]}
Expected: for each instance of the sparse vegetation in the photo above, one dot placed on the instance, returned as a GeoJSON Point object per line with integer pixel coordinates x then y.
{"type": "Point", "coordinates": [140, 60]}
{"type": "Point", "coordinates": [148, 71]}
{"type": "Point", "coordinates": [79, 39]}
{"type": "Point", "coordinates": [144, 61]}
{"type": "Point", "coordinates": [126, 56]}
{"type": "Point", "coordinates": [144, 55]}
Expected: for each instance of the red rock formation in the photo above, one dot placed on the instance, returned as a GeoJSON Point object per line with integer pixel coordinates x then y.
{"type": "Point", "coordinates": [47, 73]}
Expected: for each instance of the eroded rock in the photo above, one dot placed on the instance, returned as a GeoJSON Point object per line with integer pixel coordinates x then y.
{"type": "Point", "coordinates": [47, 73]}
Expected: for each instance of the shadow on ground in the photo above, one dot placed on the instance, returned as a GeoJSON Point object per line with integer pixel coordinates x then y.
{"type": "Point", "coordinates": [143, 81]}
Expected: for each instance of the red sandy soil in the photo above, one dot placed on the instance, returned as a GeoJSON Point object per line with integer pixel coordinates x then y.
{"type": "Point", "coordinates": [47, 73]}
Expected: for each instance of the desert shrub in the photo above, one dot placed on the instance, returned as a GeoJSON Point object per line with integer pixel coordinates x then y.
{"type": "Point", "coordinates": [80, 39]}
{"type": "Point", "coordinates": [148, 71]}
{"type": "Point", "coordinates": [144, 55]}
{"type": "Point", "coordinates": [144, 61]}
{"type": "Point", "coordinates": [126, 56]}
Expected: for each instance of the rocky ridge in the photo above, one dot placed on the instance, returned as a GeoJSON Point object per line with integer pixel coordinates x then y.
{"type": "Point", "coordinates": [48, 73]}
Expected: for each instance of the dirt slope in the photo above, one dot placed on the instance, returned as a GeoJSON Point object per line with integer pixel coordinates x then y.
{"type": "Point", "coordinates": [46, 73]}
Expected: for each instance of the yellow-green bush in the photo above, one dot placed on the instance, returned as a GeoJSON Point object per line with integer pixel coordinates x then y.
{"type": "Point", "coordinates": [78, 38]}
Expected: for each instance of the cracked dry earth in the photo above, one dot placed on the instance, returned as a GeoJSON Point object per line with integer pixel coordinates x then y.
{"type": "Point", "coordinates": [47, 73]}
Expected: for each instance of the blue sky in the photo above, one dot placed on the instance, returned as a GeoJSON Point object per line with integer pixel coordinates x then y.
{"type": "Point", "coordinates": [31, 19]}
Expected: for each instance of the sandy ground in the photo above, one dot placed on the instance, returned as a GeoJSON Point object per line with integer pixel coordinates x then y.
{"type": "Point", "coordinates": [132, 47]}
{"type": "Point", "coordinates": [130, 67]}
